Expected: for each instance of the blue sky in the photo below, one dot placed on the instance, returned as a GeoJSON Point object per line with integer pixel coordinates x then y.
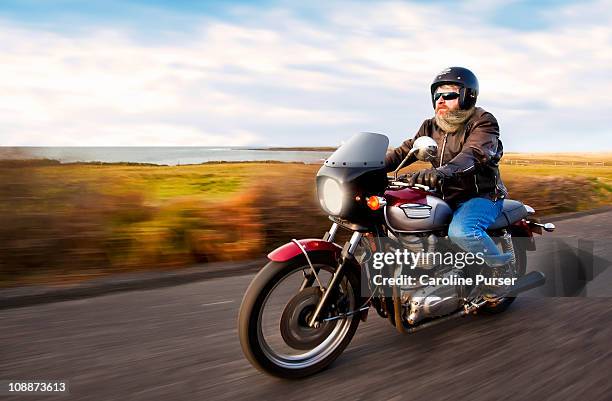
{"type": "Point", "coordinates": [283, 73]}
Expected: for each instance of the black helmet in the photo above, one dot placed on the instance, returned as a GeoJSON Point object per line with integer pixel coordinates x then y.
{"type": "Point", "coordinates": [458, 76]}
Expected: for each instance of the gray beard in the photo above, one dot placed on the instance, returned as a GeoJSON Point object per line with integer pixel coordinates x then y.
{"type": "Point", "coordinates": [452, 121]}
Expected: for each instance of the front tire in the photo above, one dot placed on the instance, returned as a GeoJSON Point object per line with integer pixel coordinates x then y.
{"type": "Point", "coordinates": [334, 336]}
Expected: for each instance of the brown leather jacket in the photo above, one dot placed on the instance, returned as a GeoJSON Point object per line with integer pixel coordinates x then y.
{"type": "Point", "coordinates": [468, 158]}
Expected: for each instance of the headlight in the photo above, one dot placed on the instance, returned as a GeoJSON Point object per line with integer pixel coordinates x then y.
{"type": "Point", "coordinates": [331, 196]}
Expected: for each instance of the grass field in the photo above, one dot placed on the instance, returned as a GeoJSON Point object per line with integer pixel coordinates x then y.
{"type": "Point", "coordinates": [560, 159]}
{"type": "Point", "coordinates": [63, 223]}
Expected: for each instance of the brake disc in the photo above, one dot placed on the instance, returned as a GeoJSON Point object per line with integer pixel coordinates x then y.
{"type": "Point", "coordinates": [294, 321]}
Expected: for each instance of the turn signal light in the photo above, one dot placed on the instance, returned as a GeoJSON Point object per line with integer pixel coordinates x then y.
{"type": "Point", "coordinates": [376, 202]}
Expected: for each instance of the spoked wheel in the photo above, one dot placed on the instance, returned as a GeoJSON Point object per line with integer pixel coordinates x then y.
{"type": "Point", "coordinates": [274, 315]}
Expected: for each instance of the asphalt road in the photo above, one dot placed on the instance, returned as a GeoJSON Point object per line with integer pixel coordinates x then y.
{"type": "Point", "coordinates": [181, 343]}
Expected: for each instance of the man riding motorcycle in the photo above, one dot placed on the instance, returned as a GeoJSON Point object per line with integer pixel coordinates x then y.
{"type": "Point", "coordinates": [465, 168]}
{"type": "Point", "coordinates": [303, 307]}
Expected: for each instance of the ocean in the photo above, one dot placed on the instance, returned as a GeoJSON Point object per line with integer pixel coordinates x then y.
{"type": "Point", "coordinates": [161, 155]}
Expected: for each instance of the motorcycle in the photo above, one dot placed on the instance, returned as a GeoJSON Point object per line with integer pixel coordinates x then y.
{"type": "Point", "coordinates": [303, 307]}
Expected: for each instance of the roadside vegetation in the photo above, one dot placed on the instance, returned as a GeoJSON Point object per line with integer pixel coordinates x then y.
{"type": "Point", "coordinates": [62, 223]}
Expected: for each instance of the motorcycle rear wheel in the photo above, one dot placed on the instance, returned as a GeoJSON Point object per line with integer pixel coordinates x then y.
{"type": "Point", "coordinates": [278, 354]}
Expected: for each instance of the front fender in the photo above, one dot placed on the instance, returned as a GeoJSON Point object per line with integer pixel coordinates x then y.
{"type": "Point", "coordinates": [291, 250]}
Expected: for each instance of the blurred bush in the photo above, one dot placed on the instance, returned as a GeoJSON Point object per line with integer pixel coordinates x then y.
{"type": "Point", "coordinates": [60, 223]}
{"type": "Point", "coordinates": [551, 195]}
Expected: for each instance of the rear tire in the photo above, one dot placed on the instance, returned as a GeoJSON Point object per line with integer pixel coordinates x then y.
{"type": "Point", "coordinates": [254, 345]}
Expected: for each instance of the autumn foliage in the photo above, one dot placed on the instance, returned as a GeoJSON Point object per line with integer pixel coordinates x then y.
{"type": "Point", "coordinates": [61, 223]}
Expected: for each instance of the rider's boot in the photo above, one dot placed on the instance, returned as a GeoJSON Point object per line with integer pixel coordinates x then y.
{"type": "Point", "coordinates": [497, 272]}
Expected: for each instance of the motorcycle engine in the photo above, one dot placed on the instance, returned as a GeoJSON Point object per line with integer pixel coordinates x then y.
{"type": "Point", "coordinates": [428, 301]}
{"type": "Point", "coordinates": [420, 243]}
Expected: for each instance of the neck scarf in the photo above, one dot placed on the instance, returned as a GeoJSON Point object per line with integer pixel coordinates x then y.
{"type": "Point", "coordinates": [453, 121]}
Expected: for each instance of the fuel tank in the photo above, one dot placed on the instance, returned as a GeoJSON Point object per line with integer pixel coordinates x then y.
{"type": "Point", "coordinates": [414, 210]}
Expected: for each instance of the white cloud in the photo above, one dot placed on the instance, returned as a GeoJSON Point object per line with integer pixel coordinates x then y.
{"type": "Point", "coordinates": [361, 66]}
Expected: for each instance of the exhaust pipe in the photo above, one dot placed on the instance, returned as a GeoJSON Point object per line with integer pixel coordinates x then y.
{"type": "Point", "coordinates": [527, 282]}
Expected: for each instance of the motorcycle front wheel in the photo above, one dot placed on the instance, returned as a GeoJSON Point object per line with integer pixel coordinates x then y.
{"type": "Point", "coordinates": [272, 323]}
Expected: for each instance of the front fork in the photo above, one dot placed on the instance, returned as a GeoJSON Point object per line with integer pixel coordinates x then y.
{"type": "Point", "coordinates": [310, 278]}
{"type": "Point", "coordinates": [347, 253]}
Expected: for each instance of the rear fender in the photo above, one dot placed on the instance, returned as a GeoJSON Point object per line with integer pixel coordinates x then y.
{"type": "Point", "coordinates": [522, 229]}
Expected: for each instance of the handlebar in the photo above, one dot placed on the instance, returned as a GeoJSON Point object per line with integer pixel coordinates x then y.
{"type": "Point", "coordinates": [404, 184]}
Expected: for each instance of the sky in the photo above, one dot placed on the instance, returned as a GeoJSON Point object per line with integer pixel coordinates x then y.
{"type": "Point", "coordinates": [294, 73]}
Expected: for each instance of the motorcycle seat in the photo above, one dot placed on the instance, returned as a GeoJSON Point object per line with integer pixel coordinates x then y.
{"type": "Point", "coordinates": [512, 211]}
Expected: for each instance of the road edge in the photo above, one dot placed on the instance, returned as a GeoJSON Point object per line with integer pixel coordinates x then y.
{"type": "Point", "coordinates": [34, 295]}
{"type": "Point", "coordinates": [572, 215]}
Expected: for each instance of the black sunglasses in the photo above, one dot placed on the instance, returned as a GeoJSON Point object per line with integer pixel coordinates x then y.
{"type": "Point", "coordinates": [446, 96]}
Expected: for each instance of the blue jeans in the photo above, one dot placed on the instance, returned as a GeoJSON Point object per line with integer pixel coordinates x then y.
{"type": "Point", "coordinates": [468, 229]}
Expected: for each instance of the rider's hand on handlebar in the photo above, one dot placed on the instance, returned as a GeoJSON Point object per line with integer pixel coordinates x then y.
{"type": "Point", "coordinates": [430, 177]}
